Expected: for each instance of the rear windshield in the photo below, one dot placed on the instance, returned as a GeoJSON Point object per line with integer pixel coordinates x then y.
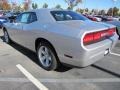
{"type": "Point", "coordinates": [67, 15]}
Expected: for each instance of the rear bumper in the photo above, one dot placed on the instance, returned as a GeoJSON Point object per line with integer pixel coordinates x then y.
{"type": "Point", "coordinates": [89, 56]}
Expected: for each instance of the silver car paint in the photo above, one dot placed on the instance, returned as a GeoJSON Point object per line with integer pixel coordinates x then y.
{"type": "Point", "coordinates": [116, 23]}
{"type": "Point", "coordinates": [65, 36]}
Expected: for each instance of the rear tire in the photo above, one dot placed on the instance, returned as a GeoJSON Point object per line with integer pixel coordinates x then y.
{"type": "Point", "coordinates": [47, 56]}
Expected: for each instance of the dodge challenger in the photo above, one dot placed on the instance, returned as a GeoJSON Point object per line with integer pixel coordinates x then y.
{"type": "Point", "coordinates": [61, 36]}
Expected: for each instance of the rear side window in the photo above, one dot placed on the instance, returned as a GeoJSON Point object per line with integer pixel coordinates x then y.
{"type": "Point", "coordinates": [33, 17]}
{"type": "Point", "coordinates": [67, 15]}
{"type": "Point", "coordinates": [24, 18]}
{"type": "Point", "coordinates": [27, 17]}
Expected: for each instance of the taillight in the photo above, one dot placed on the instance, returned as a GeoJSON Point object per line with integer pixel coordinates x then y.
{"type": "Point", "coordinates": [104, 33]}
{"type": "Point", "coordinates": [98, 36]}
{"type": "Point", "coordinates": [88, 38]}
{"type": "Point", "coordinates": [94, 19]}
{"type": "Point", "coordinates": [111, 31]}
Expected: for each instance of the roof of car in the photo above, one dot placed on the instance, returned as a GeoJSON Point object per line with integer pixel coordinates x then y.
{"type": "Point", "coordinates": [46, 10]}
{"type": "Point", "coordinates": [44, 14]}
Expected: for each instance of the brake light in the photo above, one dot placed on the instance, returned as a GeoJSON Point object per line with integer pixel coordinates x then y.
{"type": "Point", "coordinates": [98, 36]}
{"type": "Point", "coordinates": [88, 38]}
{"type": "Point", "coordinates": [111, 31]}
{"type": "Point", "coordinates": [104, 33]}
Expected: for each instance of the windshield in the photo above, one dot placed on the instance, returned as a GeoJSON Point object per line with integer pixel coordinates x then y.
{"type": "Point", "coordinates": [67, 15]}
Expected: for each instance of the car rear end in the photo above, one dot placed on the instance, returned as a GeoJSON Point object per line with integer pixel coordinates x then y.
{"type": "Point", "coordinates": [90, 45]}
{"type": "Point", "coordinates": [84, 41]}
{"type": "Point", "coordinates": [96, 45]}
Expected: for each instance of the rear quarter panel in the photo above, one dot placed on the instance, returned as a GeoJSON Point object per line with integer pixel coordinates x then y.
{"type": "Point", "coordinates": [64, 39]}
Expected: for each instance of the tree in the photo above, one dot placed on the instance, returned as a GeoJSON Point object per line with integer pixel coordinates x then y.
{"type": "Point", "coordinates": [115, 11]}
{"type": "Point", "coordinates": [34, 5]}
{"type": "Point", "coordinates": [72, 3]}
{"type": "Point", "coordinates": [119, 13]}
{"type": "Point", "coordinates": [102, 12]}
{"type": "Point", "coordinates": [1, 6]}
{"type": "Point", "coordinates": [70, 8]}
{"type": "Point", "coordinates": [79, 10]}
{"type": "Point", "coordinates": [26, 6]}
{"type": "Point", "coordinates": [18, 8]}
{"type": "Point", "coordinates": [93, 11]}
{"type": "Point", "coordinates": [6, 6]}
{"type": "Point", "coordinates": [45, 5]}
{"type": "Point", "coordinates": [58, 6]}
{"type": "Point", "coordinates": [86, 10]}
{"type": "Point", "coordinates": [110, 12]}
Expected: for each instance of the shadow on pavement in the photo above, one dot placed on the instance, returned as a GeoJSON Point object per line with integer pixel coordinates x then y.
{"type": "Point", "coordinates": [32, 55]}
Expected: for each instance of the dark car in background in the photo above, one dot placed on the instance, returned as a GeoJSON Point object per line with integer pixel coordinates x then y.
{"type": "Point", "coordinates": [11, 15]}
{"type": "Point", "coordinates": [104, 18]}
{"type": "Point", "coordinates": [1, 14]}
{"type": "Point", "coordinates": [3, 20]}
{"type": "Point", "coordinates": [90, 17]}
{"type": "Point", "coordinates": [99, 18]}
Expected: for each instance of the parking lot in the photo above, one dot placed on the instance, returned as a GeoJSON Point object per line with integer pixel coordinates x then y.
{"type": "Point", "coordinates": [19, 71]}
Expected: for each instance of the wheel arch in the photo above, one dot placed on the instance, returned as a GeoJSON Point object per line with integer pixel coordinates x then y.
{"type": "Point", "coordinates": [39, 40]}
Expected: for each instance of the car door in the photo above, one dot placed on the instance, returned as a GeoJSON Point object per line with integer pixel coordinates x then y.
{"type": "Point", "coordinates": [14, 28]}
{"type": "Point", "coordinates": [27, 35]}
{"type": "Point", "coordinates": [18, 26]}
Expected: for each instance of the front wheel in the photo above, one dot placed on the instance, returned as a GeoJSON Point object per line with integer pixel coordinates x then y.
{"type": "Point", "coordinates": [47, 57]}
{"type": "Point", "coordinates": [6, 37]}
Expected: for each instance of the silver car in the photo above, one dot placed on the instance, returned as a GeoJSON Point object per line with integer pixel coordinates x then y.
{"type": "Point", "coordinates": [117, 24]}
{"type": "Point", "coordinates": [61, 36]}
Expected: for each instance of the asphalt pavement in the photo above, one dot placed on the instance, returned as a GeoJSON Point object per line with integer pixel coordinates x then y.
{"type": "Point", "coordinates": [19, 71]}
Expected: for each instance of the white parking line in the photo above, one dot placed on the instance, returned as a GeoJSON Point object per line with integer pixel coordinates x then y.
{"type": "Point", "coordinates": [47, 80]}
{"type": "Point", "coordinates": [115, 54]}
{"type": "Point", "coordinates": [36, 82]}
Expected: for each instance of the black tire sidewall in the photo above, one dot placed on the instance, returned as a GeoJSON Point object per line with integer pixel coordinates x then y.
{"type": "Point", "coordinates": [8, 37]}
{"type": "Point", "coordinates": [54, 59]}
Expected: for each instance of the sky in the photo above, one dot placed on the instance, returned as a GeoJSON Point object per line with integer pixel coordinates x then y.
{"type": "Point", "coordinates": [91, 4]}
